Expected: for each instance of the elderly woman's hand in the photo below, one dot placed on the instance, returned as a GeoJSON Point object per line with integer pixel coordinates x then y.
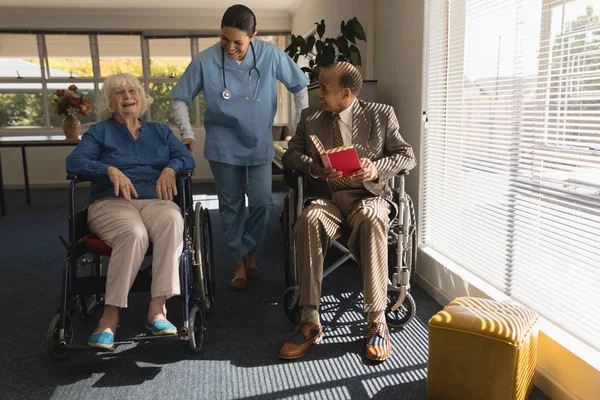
{"type": "Point", "coordinates": [121, 183]}
{"type": "Point", "coordinates": [166, 186]}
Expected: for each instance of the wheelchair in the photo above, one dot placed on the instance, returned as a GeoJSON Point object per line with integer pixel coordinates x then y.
{"type": "Point", "coordinates": [402, 251]}
{"type": "Point", "coordinates": [83, 282]}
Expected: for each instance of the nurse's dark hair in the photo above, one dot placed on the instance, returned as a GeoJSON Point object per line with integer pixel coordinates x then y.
{"type": "Point", "coordinates": [240, 17]}
{"type": "Point", "coordinates": [348, 76]}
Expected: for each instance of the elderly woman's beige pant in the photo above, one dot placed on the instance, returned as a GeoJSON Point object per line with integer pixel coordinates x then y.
{"type": "Point", "coordinates": [128, 227]}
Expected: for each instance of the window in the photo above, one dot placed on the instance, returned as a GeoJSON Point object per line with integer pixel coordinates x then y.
{"type": "Point", "coordinates": [120, 54]}
{"type": "Point", "coordinates": [21, 87]}
{"type": "Point", "coordinates": [84, 60]}
{"type": "Point", "coordinates": [511, 168]}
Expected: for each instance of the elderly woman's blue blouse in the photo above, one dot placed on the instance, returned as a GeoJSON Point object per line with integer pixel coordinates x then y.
{"type": "Point", "coordinates": [109, 143]}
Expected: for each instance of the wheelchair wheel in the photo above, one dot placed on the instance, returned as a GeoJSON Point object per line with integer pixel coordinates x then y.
{"type": "Point", "coordinates": [291, 306]}
{"type": "Point", "coordinates": [404, 314]}
{"type": "Point", "coordinates": [203, 248]}
{"type": "Point", "coordinates": [196, 333]}
{"type": "Point", "coordinates": [57, 349]}
{"type": "Point", "coordinates": [288, 250]}
{"type": "Point", "coordinates": [412, 241]}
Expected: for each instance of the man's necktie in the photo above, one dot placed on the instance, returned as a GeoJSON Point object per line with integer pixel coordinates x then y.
{"type": "Point", "coordinates": [342, 183]}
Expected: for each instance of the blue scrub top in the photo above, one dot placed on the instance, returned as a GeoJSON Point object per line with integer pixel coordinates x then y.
{"type": "Point", "coordinates": [238, 131]}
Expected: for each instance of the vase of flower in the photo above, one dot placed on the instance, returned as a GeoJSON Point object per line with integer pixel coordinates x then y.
{"type": "Point", "coordinates": [71, 127]}
{"type": "Point", "coordinates": [70, 103]}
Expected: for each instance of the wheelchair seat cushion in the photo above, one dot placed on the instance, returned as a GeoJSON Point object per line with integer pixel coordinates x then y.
{"type": "Point", "coordinates": [95, 245]}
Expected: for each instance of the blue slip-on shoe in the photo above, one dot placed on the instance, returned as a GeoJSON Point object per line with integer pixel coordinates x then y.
{"type": "Point", "coordinates": [161, 327]}
{"type": "Point", "coordinates": [102, 340]}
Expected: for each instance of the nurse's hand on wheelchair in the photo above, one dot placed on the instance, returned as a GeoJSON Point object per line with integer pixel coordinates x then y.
{"type": "Point", "coordinates": [121, 183]}
{"type": "Point", "coordinates": [166, 187]}
{"type": "Point", "coordinates": [189, 143]}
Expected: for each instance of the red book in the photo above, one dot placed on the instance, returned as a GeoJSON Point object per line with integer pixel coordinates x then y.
{"type": "Point", "coordinates": [344, 158]}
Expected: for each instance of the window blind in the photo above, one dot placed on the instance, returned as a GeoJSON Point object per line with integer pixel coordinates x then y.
{"type": "Point", "coordinates": [511, 162]}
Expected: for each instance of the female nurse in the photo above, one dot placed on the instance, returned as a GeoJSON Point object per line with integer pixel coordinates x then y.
{"type": "Point", "coordinates": [239, 78]}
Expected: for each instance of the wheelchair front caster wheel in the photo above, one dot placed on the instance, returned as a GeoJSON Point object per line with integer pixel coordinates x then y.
{"type": "Point", "coordinates": [57, 349]}
{"type": "Point", "coordinates": [291, 307]}
{"type": "Point", "coordinates": [404, 314]}
{"type": "Point", "coordinates": [196, 333]}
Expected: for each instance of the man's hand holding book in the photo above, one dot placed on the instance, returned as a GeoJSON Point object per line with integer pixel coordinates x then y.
{"type": "Point", "coordinates": [344, 158]}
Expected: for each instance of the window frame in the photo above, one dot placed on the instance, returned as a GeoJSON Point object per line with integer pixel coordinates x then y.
{"type": "Point", "coordinates": [146, 79]}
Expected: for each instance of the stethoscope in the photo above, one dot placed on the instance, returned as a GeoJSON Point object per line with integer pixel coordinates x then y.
{"type": "Point", "coordinates": [227, 93]}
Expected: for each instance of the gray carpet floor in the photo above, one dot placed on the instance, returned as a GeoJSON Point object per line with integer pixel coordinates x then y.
{"type": "Point", "coordinates": [243, 336]}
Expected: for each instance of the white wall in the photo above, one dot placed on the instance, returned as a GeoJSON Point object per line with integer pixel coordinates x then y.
{"type": "Point", "coordinates": [398, 58]}
{"type": "Point", "coordinates": [334, 12]}
{"type": "Point", "coordinates": [129, 19]}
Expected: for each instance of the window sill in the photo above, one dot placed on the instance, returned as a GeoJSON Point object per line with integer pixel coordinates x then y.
{"type": "Point", "coordinates": [567, 368]}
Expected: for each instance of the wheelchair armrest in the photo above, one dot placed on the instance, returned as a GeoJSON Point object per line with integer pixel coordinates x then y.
{"type": "Point", "coordinates": [185, 174]}
{"type": "Point", "coordinates": [78, 178]}
{"type": "Point", "coordinates": [290, 177]}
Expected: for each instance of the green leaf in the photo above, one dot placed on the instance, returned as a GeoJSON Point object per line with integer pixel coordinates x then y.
{"type": "Point", "coordinates": [319, 46]}
{"type": "Point", "coordinates": [308, 46]}
{"type": "Point", "coordinates": [320, 28]}
{"type": "Point", "coordinates": [342, 24]}
{"type": "Point", "coordinates": [328, 55]}
{"type": "Point", "coordinates": [301, 42]}
{"type": "Point", "coordinates": [348, 31]}
{"type": "Point", "coordinates": [359, 32]}
{"type": "Point", "coordinates": [355, 55]}
{"type": "Point", "coordinates": [296, 58]}
{"type": "Point", "coordinates": [291, 50]}
{"type": "Point", "coordinates": [342, 45]}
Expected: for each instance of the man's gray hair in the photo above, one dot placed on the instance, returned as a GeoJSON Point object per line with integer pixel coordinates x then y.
{"type": "Point", "coordinates": [349, 76]}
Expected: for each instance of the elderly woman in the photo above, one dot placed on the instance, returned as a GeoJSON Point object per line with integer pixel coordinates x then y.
{"type": "Point", "coordinates": [133, 164]}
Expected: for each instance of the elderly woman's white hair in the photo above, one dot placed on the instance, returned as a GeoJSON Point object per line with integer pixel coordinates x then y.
{"type": "Point", "coordinates": [118, 81]}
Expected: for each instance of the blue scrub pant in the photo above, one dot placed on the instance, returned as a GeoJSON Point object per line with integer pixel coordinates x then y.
{"type": "Point", "coordinates": [244, 231]}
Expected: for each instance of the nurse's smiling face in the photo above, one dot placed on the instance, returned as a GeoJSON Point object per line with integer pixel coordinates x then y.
{"type": "Point", "coordinates": [235, 42]}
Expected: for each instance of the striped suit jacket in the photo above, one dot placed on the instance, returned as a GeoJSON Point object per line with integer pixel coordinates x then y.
{"type": "Point", "coordinates": [375, 135]}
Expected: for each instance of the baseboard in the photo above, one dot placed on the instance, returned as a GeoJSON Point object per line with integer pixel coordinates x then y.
{"type": "Point", "coordinates": [551, 387]}
{"type": "Point", "coordinates": [563, 371]}
{"type": "Point", "coordinates": [435, 292]}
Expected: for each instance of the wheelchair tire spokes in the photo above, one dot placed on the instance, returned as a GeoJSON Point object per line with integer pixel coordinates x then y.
{"type": "Point", "coordinates": [208, 251]}
{"type": "Point", "coordinates": [404, 314]}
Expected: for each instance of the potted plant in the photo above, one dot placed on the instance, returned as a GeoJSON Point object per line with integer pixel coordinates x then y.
{"type": "Point", "coordinates": [321, 52]}
{"type": "Point", "coordinates": [70, 103]}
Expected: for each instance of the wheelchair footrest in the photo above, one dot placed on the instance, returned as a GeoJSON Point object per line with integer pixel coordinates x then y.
{"type": "Point", "coordinates": [144, 337]}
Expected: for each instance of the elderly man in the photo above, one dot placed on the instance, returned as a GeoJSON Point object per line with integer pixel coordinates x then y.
{"type": "Point", "coordinates": [362, 202]}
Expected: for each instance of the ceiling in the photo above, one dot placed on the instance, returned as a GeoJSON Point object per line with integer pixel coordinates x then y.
{"type": "Point", "coordinates": [208, 6]}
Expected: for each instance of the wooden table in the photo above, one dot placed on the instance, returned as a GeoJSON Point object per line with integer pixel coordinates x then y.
{"type": "Point", "coordinates": [23, 142]}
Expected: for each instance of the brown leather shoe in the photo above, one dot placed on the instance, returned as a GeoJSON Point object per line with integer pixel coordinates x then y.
{"type": "Point", "coordinates": [379, 345]}
{"type": "Point", "coordinates": [252, 273]}
{"type": "Point", "coordinates": [304, 336]}
{"type": "Point", "coordinates": [238, 284]}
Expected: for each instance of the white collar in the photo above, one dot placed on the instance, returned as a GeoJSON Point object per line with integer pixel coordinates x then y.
{"type": "Point", "coordinates": [346, 115]}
